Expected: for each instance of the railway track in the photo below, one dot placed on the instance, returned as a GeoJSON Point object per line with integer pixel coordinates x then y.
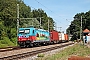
{"type": "Point", "coordinates": [9, 48]}
{"type": "Point", "coordinates": [32, 53]}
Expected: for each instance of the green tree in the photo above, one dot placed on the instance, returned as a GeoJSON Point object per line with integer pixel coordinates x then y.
{"type": "Point", "coordinates": [8, 18]}
{"type": "Point", "coordinates": [77, 22]}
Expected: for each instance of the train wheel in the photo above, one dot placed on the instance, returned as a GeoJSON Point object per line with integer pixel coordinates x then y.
{"type": "Point", "coordinates": [22, 46]}
{"type": "Point", "coordinates": [27, 46]}
{"type": "Point", "coordinates": [31, 45]}
{"type": "Point", "coordinates": [52, 42]}
{"type": "Point", "coordinates": [45, 43]}
{"type": "Point", "coordinates": [38, 44]}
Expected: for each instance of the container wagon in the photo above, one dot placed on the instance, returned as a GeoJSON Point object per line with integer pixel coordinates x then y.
{"type": "Point", "coordinates": [63, 37]}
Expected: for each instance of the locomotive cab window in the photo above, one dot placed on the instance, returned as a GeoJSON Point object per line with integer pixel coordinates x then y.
{"type": "Point", "coordinates": [21, 31]}
{"type": "Point", "coordinates": [27, 31]}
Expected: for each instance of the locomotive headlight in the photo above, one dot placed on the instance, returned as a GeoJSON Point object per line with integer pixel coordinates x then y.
{"type": "Point", "coordinates": [19, 36]}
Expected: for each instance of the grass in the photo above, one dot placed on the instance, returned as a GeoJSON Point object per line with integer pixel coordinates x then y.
{"type": "Point", "coordinates": [40, 55]}
{"type": "Point", "coordinates": [6, 43]}
{"type": "Point", "coordinates": [77, 49]}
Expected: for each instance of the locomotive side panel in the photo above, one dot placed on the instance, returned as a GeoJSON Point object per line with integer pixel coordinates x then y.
{"type": "Point", "coordinates": [42, 35]}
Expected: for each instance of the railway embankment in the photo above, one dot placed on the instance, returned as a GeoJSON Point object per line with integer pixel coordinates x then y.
{"type": "Point", "coordinates": [76, 50]}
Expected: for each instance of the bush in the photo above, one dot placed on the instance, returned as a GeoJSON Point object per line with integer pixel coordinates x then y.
{"type": "Point", "coordinates": [3, 45]}
{"type": "Point", "coordinates": [14, 40]}
{"type": "Point", "coordinates": [6, 42]}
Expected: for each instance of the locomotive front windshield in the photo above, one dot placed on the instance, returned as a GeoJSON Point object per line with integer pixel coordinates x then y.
{"type": "Point", "coordinates": [26, 31]}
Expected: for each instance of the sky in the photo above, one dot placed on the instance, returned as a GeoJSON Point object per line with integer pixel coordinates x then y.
{"type": "Point", "coordinates": [62, 11]}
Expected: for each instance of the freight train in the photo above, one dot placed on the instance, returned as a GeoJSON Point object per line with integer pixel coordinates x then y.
{"type": "Point", "coordinates": [29, 37]}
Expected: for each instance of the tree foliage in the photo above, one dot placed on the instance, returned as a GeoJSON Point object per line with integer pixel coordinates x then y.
{"type": "Point", "coordinates": [77, 23]}
{"type": "Point", "coordinates": [8, 18]}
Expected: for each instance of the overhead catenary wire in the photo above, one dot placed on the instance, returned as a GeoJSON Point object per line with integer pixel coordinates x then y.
{"type": "Point", "coordinates": [43, 5]}
{"type": "Point", "coordinates": [50, 11]}
{"type": "Point", "coordinates": [47, 8]}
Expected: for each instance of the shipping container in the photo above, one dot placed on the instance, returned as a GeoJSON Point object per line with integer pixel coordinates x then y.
{"type": "Point", "coordinates": [59, 33]}
{"type": "Point", "coordinates": [54, 36]}
{"type": "Point", "coordinates": [66, 37]}
{"type": "Point", "coordinates": [62, 36]}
